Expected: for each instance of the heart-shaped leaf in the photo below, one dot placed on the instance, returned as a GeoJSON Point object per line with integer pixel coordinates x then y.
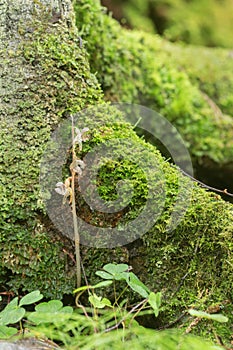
{"type": "Point", "coordinates": [60, 317]}
{"type": "Point", "coordinates": [50, 312]}
{"type": "Point", "coordinates": [11, 316]}
{"type": "Point", "coordinates": [51, 306]}
{"type": "Point", "coordinates": [115, 268]}
{"type": "Point", "coordinates": [114, 271]}
{"type": "Point", "coordinates": [31, 298]}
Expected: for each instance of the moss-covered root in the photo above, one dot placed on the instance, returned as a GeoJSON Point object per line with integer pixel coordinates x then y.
{"type": "Point", "coordinates": [191, 265]}
{"type": "Point", "coordinates": [131, 67]}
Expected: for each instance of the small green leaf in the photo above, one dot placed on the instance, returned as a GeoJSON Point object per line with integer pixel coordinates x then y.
{"type": "Point", "coordinates": [31, 298]}
{"type": "Point", "coordinates": [102, 284]}
{"type": "Point", "coordinates": [50, 307]}
{"type": "Point", "coordinates": [104, 275]}
{"type": "Point", "coordinates": [116, 268]}
{"type": "Point", "coordinates": [121, 276]}
{"type": "Point", "coordinates": [114, 271]}
{"type": "Point", "coordinates": [66, 310]}
{"type": "Point", "coordinates": [13, 304]}
{"type": "Point", "coordinates": [98, 285]}
{"type": "Point", "coordinates": [215, 317]}
{"type": "Point", "coordinates": [50, 312]}
{"type": "Point", "coordinates": [98, 302]}
{"type": "Point", "coordinates": [80, 289]}
{"type": "Point", "coordinates": [7, 332]}
{"type": "Point", "coordinates": [155, 301]}
{"type": "Point", "coordinates": [107, 302]}
{"type": "Point", "coordinates": [219, 318]}
{"type": "Point", "coordinates": [139, 287]}
{"type": "Point", "coordinates": [11, 316]}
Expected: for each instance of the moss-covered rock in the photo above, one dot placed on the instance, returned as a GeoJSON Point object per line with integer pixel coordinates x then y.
{"type": "Point", "coordinates": [131, 70]}
{"type": "Point", "coordinates": [194, 22]}
{"type": "Point", "coordinates": [208, 68]}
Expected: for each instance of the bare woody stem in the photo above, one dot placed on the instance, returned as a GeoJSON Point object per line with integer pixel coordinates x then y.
{"type": "Point", "coordinates": [74, 214]}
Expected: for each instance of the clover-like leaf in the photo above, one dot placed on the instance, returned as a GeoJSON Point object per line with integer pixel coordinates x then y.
{"type": "Point", "coordinates": [31, 298]}
{"type": "Point", "coordinates": [50, 312]}
{"type": "Point", "coordinates": [104, 275]}
{"type": "Point", "coordinates": [11, 315]}
{"type": "Point", "coordinates": [13, 304]}
{"type": "Point", "coordinates": [114, 271]}
{"type": "Point", "coordinates": [116, 268]}
{"type": "Point", "coordinates": [50, 306]}
{"type": "Point", "coordinates": [99, 302]}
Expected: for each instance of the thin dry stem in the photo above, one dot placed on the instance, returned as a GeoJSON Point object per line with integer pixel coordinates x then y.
{"type": "Point", "coordinates": [74, 214]}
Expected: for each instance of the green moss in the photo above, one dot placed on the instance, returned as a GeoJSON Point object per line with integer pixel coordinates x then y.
{"type": "Point", "coordinates": [194, 22]}
{"type": "Point", "coordinates": [132, 70]}
{"type": "Point", "coordinates": [191, 265]}
{"type": "Point", "coordinates": [209, 68]}
{"type": "Point", "coordinates": [52, 80]}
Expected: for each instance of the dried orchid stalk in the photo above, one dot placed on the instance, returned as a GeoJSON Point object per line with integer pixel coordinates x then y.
{"type": "Point", "coordinates": [67, 189]}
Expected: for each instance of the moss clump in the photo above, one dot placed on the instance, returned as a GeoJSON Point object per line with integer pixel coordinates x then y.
{"type": "Point", "coordinates": [192, 265]}
{"type": "Point", "coordinates": [194, 22]}
{"type": "Point", "coordinates": [131, 71]}
{"type": "Point", "coordinates": [209, 68]}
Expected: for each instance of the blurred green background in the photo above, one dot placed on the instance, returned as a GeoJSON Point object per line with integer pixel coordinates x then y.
{"type": "Point", "coordinates": [197, 22]}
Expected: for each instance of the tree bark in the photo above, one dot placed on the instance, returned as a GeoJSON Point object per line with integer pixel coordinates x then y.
{"type": "Point", "coordinates": [15, 13]}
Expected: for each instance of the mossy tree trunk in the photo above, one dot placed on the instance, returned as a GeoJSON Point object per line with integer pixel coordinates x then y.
{"type": "Point", "coordinates": [39, 84]}
{"type": "Point", "coordinates": [21, 116]}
